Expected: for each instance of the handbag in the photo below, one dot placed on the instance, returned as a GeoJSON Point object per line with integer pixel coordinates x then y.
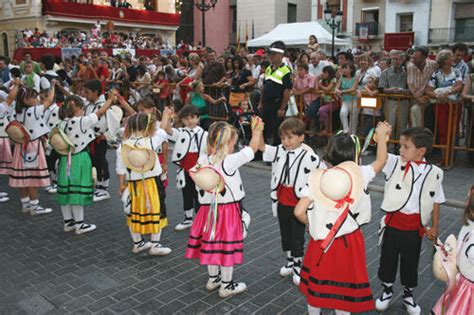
{"type": "Point", "coordinates": [235, 98]}
{"type": "Point", "coordinates": [291, 109]}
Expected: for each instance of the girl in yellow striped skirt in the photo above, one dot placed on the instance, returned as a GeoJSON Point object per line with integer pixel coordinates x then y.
{"type": "Point", "coordinates": [139, 169]}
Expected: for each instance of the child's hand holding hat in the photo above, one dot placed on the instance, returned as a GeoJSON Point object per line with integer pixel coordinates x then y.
{"type": "Point", "coordinates": [382, 132]}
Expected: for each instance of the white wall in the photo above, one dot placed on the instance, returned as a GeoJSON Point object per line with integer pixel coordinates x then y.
{"type": "Point", "coordinates": [421, 17]}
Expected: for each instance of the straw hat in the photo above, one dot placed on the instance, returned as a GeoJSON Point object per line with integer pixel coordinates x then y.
{"type": "Point", "coordinates": [114, 117]}
{"type": "Point", "coordinates": [444, 262]}
{"type": "Point", "coordinates": [331, 187]}
{"type": "Point", "coordinates": [138, 158]}
{"type": "Point", "coordinates": [61, 142]}
{"type": "Point", "coordinates": [208, 178]}
{"type": "Point", "coordinates": [17, 132]}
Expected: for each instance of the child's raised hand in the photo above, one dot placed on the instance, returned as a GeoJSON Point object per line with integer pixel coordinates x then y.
{"type": "Point", "coordinates": [382, 132]}
{"type": "Point", "coordinates": [257, 124]}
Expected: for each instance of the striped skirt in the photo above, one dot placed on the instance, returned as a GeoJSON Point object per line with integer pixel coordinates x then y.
{"type": "Point", "coordinates": [6, 158]}
{"type": "Point", "coordinates": [29, 167]}
{"type": "Point", "coordinates": [145, 215]}
{"type": "Point", "coordinates": [330, 282]}
{"type": "Point", "coordinates": [77, 187]}
{"type": "Point", "coordinates": [227, 246]}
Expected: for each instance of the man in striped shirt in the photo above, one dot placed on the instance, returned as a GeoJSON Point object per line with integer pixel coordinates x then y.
{"type": "Point", "coordinates": [419, 71]}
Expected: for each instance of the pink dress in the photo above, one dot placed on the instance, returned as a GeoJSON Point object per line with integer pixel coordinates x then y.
{"type": "Point", "coordinates": [459, 298]}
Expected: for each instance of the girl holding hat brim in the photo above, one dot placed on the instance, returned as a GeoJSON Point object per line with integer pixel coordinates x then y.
{"type": "Point", "coordinates": [29, 167]}
{"type": "Point", "coordinates": [216, 236]}
{"type": "Point", "coordinates": [139, 171]}
{"type": "Point", "coordinates": [75, 180]}
{"type": "Point", "coordinates": [459, 295]}
{"type": "Point", "coordinates": [6, 113]}
{"type": "Point", "coordinates": [341, 204]}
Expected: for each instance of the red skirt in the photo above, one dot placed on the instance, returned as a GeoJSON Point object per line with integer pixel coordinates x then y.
{"type": "Point", "coordinates": [227, 246]}
{"type": "Point", "coordinates": [337, 279]}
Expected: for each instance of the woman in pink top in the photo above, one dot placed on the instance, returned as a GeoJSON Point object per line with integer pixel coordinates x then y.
{"type": "Point", "coordinates": [304, 85]}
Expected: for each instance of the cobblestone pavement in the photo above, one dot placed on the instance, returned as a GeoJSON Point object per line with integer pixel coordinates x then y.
{"type": "Point", "coordinates": [45, 271]}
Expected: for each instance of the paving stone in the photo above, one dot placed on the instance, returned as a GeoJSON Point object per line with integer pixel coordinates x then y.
{"type": "Point", "coordinates": [35, 305]}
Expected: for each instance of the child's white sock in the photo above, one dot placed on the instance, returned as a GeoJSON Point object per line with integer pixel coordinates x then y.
{"type": "Point", "coordinates": [227, 273]}
{"type": "Point", "coordinates": [314, 310]}
{"type": "Point", "coordinates": [25, 202]}
{"type": "Point", "coordinates": [136, 237]}
{"type": "Point", "coordinates": [338, 312]}
{"type": "Point", "coordinates": [213, 270]}
{"type": "Point", "coordinates": [34, 203]}
{"type": "Point", "coordinates": [67, 213]}
{"type": "Point", "coordinates": [189, 214]}
{"type": "Point", "coordinates": [155, 238]}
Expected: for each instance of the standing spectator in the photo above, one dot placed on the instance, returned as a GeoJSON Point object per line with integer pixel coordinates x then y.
{"type": "Point", "coordinates": [240, 82]}
{"type": "Point", "coordinates": [445, 86]}
{"type": "Point", "coordinates": [115, 77]}
{"type": "Point", "coordinates": [459, 51]}
{"type": "Point", "coordinates": [316, 65]}
{"type": "Point", "coordinates": [143, 82]}
{"type": "Point", "coordinates": [304, 85]}
{"type": "Point", "coordinates": [347, 85]}
{"type": "Point", "coordinates": [27, 58]}
{"type": "Point", "coordinates": [101, 72]}
{"type": "Point", "coordinates": [30, 78]}
{"type": "Point", "coordinates": [131, 69]}
{"type": "Point", "coordinates": [419, 71]}
{"type": "Point", "coordinates": [468, 96]}
{"type": "Point", "coordinates": [4, 70]}
{"type": "Point", "coordinates": [213, 73]}
{"type": "Point", "coordinates": [393, 80]}
{"type": "Point", "coordinates": [196, 67]}
{"type": "Point", "coordinates": [313, 43]}
{"type": "Point", "coordinates": [276, 92]}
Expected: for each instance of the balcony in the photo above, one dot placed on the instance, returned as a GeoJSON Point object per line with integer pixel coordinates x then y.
{"type": "Point", "coordinates": [450, 34]}
{"type": "Point", "coordinates": [373, 28]}
{"type": "Point", "coordinates": [99, 12]}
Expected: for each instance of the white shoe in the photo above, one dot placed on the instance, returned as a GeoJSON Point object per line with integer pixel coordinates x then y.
{"type": "Point", "coordinates": [26, 209]}
{"type": "Point", "coordinates": [38, 210]}
{"type": "Point", "coordinates": [382, 303]}
{"type": "Point", "coordinates": [159, 250]}
{"type": "Point", "coordinates": [186, 224]}
{"type": "Point", "coordinates": [410, 304]}
{"type": "Point", "coordinates": [296, 271]}
{"type": "Point", "coordinates": [70, 226]}
{"type": "Point", "coordinates": [231, 288]}
{"type": "Point", "coordinates": [141, 246]}
{"type": "Point", "coordinates": [100, 195]}
{"type": "Point", "coordinates": [3, 194]}
{"type": "Point", "coordinates": [4, 199]}
{"type": "Point", "coordinates": [84, 228]}
{"type": "Point", "coordinates": [53, 189]}
{"type": "Point", "coordinates": [213, 283]}
{"type": "Point", "coordinates": [287, 270]}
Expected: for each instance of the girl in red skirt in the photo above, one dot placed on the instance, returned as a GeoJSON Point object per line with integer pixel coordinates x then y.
{"type": "Point", "coordinates": [29, 167]}
{"type": "Point", "coordinates": [216, 236]}
{"type": "Point", "coordinates": [341, 204]}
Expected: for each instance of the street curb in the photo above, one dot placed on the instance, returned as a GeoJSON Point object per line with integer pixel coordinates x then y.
{"type": "Point", "coordinates": [372, 187]}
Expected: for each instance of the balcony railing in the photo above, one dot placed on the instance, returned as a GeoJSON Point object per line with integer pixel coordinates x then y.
{"type": "Point", "coordinates": [99, 12]}
{"type": "Point", "coordinates": [451, 34]}
{"type": "Point", "coordinates": [373, 28]}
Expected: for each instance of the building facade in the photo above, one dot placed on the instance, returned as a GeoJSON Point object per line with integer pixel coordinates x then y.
{"type": "Point", "coordinates": [56, 15]}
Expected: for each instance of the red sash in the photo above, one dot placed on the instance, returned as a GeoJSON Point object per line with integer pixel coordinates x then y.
{"type": "Point", "coordinates": [286, 196]}
{"type": "Point", "coordinates": [405, 222]}
{"type": "Point", "coordinates": [189, 160]}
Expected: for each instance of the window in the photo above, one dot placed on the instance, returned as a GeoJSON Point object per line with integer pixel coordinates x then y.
{"type": "Point", "coordinates": [21, 2]}
{"type": "Point", "coordinates": [291, 13]}
{"type": "Point", "coordinates": [370, 16]}
{"type": "Point", "coordinates": [464, 31]}
{"type": "Point", "coordinates": [406, 23]}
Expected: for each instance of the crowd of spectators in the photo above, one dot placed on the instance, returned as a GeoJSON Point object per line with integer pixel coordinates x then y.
{"type": "Point", "coordinates": [327, 88]}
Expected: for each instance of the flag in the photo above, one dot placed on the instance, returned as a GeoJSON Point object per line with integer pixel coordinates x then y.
{"type": "Point", "coordinates": [246, 32]}
{"type": "Point", "coordinates": [238, 38]}
{"type": "Point", "coordinates": [253, 29]}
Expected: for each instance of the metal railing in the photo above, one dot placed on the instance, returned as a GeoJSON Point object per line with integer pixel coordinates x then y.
{"type": "Point", "coordinates": [451, 34]}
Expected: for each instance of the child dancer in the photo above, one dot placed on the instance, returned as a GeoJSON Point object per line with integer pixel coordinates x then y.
{"type": "Point", "coordinates": [459, 299]}
{"type": "Point", "coordinates": [51, 117]}
{"type": "Point", "coordinates": [148, 107]}
{"type": "Point", "coordinates": [334, 273]}
{"type": "Point", "coordinates": [6, 113]}
{"type": "Point", "coordinates": [29, 168]}
{"type": "Point", "coordinates": [98, 147]}
{"type": "Point", "coordinates": [346, 85]}
{"type": "Point", "coordinates": [140, 183]}
{"type": "Point", "coordinates": [75, 182]}
{"type": "Point", "coordinates": [219, 244]}
{"type": "Point", "coordinates": [413, 194]}
{"type": "Point", "coordinates": [291, 164]}
{"type": "Point", "coordinates": [190, 143]}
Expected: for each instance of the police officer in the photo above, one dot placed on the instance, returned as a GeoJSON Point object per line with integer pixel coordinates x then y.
{"type": "Point", "coordinates": [276, 92]}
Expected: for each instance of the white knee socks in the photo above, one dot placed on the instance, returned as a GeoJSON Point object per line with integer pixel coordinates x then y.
{"type": "Point", "coordinates": [227, 274]}
{"type": "Point", "coordinates": [213, 270]}
{"type": "Point", "coordinates": [155, 238]}
{"type": "Point", "coordinates": [314, 310]}
{"type": "Point", "coordinates": [78, 212]}
{"type": "Point", "coordinates": [136, 237]}
{"type": "Point", "coordinates": [338, 312]}
{"type": "Point", "coordinates": [67, 213]}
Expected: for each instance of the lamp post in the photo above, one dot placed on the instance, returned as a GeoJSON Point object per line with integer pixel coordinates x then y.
{"type": "Point", "coordinates": [333, 21]}
{"type": "Point", "coordinates": [204, 6]}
